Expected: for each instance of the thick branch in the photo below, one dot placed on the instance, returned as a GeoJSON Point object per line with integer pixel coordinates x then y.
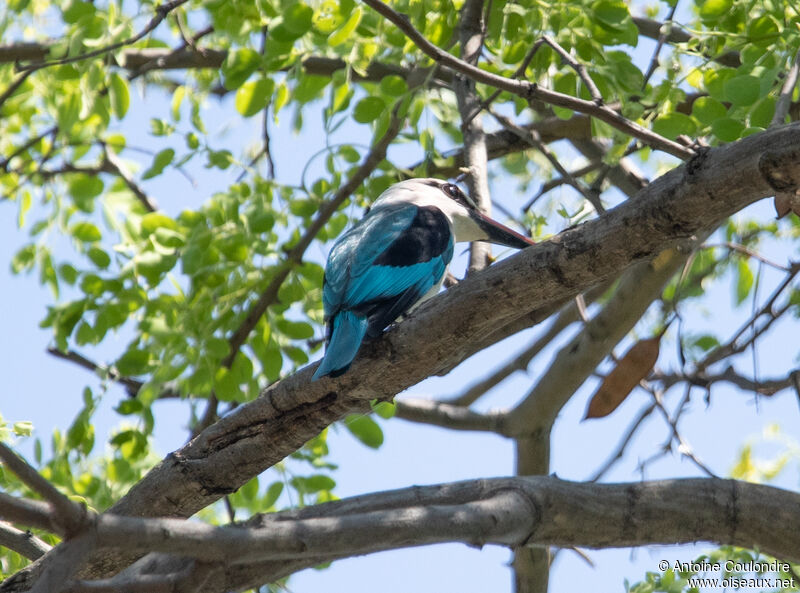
{"type": "Point", "coordinates": [513, 512]}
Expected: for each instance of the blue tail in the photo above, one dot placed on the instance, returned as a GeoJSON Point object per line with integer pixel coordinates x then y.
{"type": "Point", "coordinates": [348, 332]}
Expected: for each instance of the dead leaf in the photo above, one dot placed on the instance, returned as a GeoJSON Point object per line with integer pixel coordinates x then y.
{"type": "Point", "coordinates": [632, 368]}
{"type": "Point", "coordinates": [786, 202]}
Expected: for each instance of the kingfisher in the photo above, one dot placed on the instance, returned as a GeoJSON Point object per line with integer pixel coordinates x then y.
{"type": "Point", "coordinates": [394, 258]}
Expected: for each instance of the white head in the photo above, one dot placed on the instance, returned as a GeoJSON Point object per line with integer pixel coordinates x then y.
{"type": "Point", "coordinates": [466, 221]}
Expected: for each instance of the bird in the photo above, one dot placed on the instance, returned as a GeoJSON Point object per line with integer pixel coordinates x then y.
{"type": "Point", "coordinates": [393, 259]}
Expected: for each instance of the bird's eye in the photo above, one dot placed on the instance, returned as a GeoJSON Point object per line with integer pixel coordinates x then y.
{"type": "Point", "coordinates": [452, 190]}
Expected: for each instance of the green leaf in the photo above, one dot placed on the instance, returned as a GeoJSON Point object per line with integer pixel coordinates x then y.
{"type": "Point", "coordinates": [152, 221]}
{"type": "Point", "coordinates": [297, 19]}
{"type": "Point", "coordinates": [119, 94]}
{"type": "Point", "coordinates": [385, 410]}
{"type": "Point", "coordinates": [707, 110]}
{"type": "Point", "coordinates": [99, 257]}
{"type": "Point", "coordinates": [393, 86]}
{"type": "Point", "coordinates": [298, 330]}
{"type": "Point", "coordinates": [160, 161]}
{"type": "Point", "coordinates": [365, 429]}
{"type": "Point", "coordinates": [727, 129]}
{"type": "Point", "coordinates": [744, 282]}
{"type": "Point", "coordinates": [253, 97]}
{"type": "Point", "coordinates": [24, 259]}
{"type": "Point", "coordinates": [23, 428]}
{"type": "Point", "coordinates": [238, 66]}
{"type": "Point", "coordinates": [225, 386]}
{"type": "Point", "coordinates": [743, 90]}
{"type": "Point", "coordinates": [86, 232]}
{"type": "Point", "coordinates": [83, 188]}
{"type": "Point", "coordinates": [250, 489]}
{"type": "Point", "coordinates": [129, 406]}
{"type": "Point", "coordinates": [764, 30]}
{"type": "Point", "coordinates": [711, 10]}
{"type": "Point", "coordinates": [346, 30]}
{"type": "Point", "coordinates": [133, 362]}
{"type": "Point", "coordinates": [762, 112]}
{"type": "Point", "coordinates": [273, 493]}
{"type": "Point", "coordinates": [673, 125]}
{"type": "Point", "coordinates": [218, 347]}
{"type": "Point", "coordinates": [706, 342]}
{"type": "Point", "coordinates": [610, 12]}
{"type": "Point", "coordinates": [368, 109]}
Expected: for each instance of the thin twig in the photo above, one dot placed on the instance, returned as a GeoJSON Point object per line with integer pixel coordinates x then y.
{"type": "Point", "coordinates": [579, 68]}
{"type": "Point", "coordinates": [119, 169]}
{"type": "Point", "coordinates": [623, 443]}
{"type": "Point", "coordinates": [449, 416]}
{"type": "Point", "coordinates": [12, 88]}
{"type": "Point", "coordinates": [747, 251]}
{"type": "Point", "coordinates": [532, 137]}
{"type": "Point", "coordinates": [662, 38]}
{"type": "Point", "coordinates": [785, 98]}
{"type": "Point", "coordinates": [731, 346]}
{"type": "Point", "coordinates": [5, 162]}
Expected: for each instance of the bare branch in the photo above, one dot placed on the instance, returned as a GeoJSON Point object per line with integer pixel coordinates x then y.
{"type": "Point", "coordinates": [31, 513]}
{"type": "Point", "coordinates": [623, 443]}
{"type": "Point", "coordinates": [23, 543]}
{"type": "Point", "coordinates": [71, 516]}
{"type": "Point", "coordinates": [579, 68]}
{"type": "Point", "coordinates": [131, 385]}
{"type": "Point", "coordinates": [577, 359]}
{"type": "Point", "coordinates": [447, 415]}
{"type": "Point", "coordinates": [471, 33]}
{"type": "Point", "coordinates": [787, 90]}
{"type": "Point", "coordinates": [733, 346]}
{"type": "Point", "coordinates": [663, 33]}
{"type": "Point", "coordinates": [766, 387]}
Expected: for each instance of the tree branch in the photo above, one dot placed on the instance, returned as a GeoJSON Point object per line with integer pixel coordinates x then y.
{"type": "Point", "coordinates": [470, 32]}
{"type": "Point", "coordinates": [69, 515]}
{"type": "Point", "coordinates": [516, 512]}
{"type": "Point", "coordinates": [23, 543]}
{"type": "Point", "coordinates": [787, 90]}
{"type": "Point", "coordinates": [447, 415]}
{"type": "Point", "coordinates": [30, 513]}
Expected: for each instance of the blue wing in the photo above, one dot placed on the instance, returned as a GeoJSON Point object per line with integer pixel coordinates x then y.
{"type": "Point", "coordinates": [376, 271]}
